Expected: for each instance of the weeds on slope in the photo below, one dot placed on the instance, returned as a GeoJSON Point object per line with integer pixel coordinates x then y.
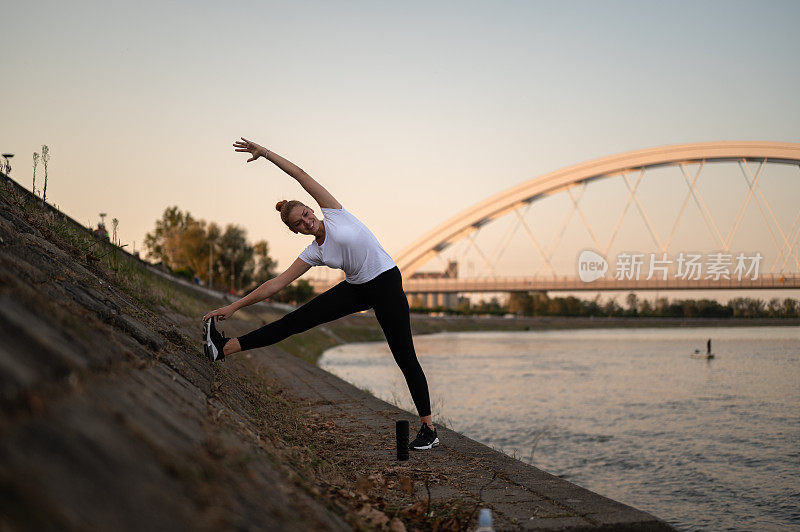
{"type": "Point", "coordinates": [104, 257]}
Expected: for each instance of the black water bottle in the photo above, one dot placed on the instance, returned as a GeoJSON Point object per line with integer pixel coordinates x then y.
{"type": "Point", "coordinates": [401, 428]}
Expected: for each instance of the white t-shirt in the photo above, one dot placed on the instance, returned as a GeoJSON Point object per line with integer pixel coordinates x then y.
{"type": "Point", "coordinates": [349, 246]}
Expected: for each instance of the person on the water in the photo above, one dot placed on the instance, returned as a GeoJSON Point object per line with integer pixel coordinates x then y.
{"type": "Point", "coordinates": [372, 280]}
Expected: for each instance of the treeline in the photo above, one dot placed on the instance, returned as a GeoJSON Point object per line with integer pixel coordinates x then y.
{"type": "Point", "coordinates": [207, 254]}
{"type": "Point", "coordinates": [540, 304]}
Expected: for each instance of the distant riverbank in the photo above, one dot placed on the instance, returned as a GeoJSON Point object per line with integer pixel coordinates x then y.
{"type": "Point", "coordinates": [532, 323]}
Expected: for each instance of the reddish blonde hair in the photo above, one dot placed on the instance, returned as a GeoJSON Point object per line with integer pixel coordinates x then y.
{"type": "Point", "coordinates": [285, 207]}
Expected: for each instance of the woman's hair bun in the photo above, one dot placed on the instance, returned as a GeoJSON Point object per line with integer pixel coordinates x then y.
{"type": "Point", "coordinates": [279, 205]}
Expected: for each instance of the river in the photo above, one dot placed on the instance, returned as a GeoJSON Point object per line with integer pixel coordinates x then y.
{"type": "Point", "coordinates": [627, 413]}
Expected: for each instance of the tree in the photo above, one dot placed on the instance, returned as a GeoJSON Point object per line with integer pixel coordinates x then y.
{"type": "Point", "coordinates": [592, 308]}
{"type": "Point", "coordinates": [541, 303]}
{"type": "Point", "coordinates": [520, 303]}
{"type": "Point", "coordinates": [490, 307]}
{"type": "Point", "coordinates": [572, 306]}
{"type": "Point", "coordinates": [633, 303]}
{"type": "Point", "coordinates": [774, 307]}
{"type": "Point", "coordinates": [612, 308]}
{"type": "Point", "coordinates": [296, 293]}
{"type": "Point", "coordinates": [187, 248]}
{"type": "Point", "coordinates": [463, 306]}
{"type": "Point", "coordinates": [789, 308]}
{"type": "Point", "coordinates": [745, 307]}
{"type": "Point", "coordinates": [191, 246]}
{"type": "Point", "coordinates": [264, 266]}
{"type": "Point", "coordinates": [556, 307]}
{"type": "Point", "coordinates": [171, 222]}
{"type": "Point", "coordinates": [213, 234]}
{"type": "Point", "coordinates": [235, 257]}
{"type": "Point", "coordinates": [688, 308]}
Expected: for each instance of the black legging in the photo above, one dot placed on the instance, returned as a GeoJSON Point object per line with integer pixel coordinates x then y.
{"type": "Point", "coordinates": [383, 293]}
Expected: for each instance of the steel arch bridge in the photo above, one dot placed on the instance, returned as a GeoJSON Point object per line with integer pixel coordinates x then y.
{"type": "Point", "coordinates": [751, 156]}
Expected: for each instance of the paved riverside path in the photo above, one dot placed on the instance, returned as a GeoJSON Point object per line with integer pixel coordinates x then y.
{"type": "Point", "coordinates": [521, 496]}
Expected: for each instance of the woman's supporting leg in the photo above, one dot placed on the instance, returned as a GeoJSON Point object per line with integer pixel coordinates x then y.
{"type": "Point", "coordinates": [391, 309]}
{"type": "Point", "coordinates": [339, 301]}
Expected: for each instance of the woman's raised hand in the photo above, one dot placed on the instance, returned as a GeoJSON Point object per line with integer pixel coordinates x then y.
{"type": "Point", "coordinates": [254, 149]}
{"type": "Point", "coordinates": [222, 313]}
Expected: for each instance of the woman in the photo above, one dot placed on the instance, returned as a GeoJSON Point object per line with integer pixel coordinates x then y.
{"type": "Point", "coordinates": [372, 280]}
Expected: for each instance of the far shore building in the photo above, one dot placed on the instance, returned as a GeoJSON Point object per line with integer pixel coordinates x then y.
{"type": "Point", "coordinates": [438, 299]}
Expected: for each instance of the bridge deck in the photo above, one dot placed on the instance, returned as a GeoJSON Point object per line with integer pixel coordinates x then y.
{"type": "Point", "coordinates": [574, 284]}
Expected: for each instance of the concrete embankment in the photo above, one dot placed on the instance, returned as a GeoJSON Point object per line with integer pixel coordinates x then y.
{"type": "Point", "coordinates": [113, 419]}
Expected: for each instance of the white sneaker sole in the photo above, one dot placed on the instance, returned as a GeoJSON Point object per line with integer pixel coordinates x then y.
{"type": "Point", "coordinates": [211, 347]}
{"type": "Point", "coordinates": [434, 443]}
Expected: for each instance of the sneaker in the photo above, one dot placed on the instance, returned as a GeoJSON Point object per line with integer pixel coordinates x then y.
{"type": "Point", "coordinates": [213, 341]}
{"type": "Point", "coordinates": [426, 439]}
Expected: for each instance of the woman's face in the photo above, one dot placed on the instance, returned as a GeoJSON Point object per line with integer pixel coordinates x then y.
{"type": "Point", "coordinates": [303, 221]}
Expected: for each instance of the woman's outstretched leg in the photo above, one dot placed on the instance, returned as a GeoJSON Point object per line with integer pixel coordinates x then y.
{"type": "Point", "coordinates": [339, 301]}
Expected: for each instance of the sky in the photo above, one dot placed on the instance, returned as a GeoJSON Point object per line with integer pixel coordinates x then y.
{"type": "Point", "coordinates": [408, 112]}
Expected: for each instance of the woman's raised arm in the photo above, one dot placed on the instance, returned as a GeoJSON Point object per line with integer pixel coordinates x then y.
{"type": "Point", "coordinates": [317, 191]}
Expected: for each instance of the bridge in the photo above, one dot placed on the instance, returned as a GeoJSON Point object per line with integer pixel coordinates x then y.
{"type": "Point", "coordinates": [752, 161]}
{"type": "Point", "coordinates": [574, 284]}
